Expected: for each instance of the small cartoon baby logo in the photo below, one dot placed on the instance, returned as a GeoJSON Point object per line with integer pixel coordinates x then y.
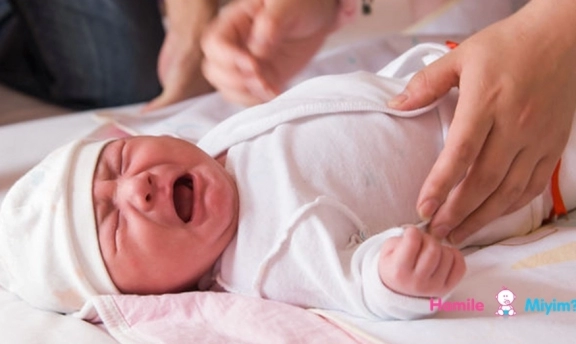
{"type": "Point", "coordinates": [505, 298]}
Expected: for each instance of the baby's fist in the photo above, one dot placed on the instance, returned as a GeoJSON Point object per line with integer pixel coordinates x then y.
{"type": "Point", "coordinates": [416, 264]}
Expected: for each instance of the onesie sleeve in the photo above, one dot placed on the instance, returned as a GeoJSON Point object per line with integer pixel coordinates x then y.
{"type": "Point", "coordinates": [378, 299]}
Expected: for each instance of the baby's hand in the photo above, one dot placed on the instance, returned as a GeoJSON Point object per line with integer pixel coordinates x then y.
{"type": "Point", "coordinates": [416, 264]}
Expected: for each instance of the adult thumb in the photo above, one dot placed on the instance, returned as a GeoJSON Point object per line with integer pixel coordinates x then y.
{"type": "Point", "coordinates": [429, 84]}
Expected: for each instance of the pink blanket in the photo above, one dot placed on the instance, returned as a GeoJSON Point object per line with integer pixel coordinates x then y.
{"type": "Point", "coordinates": [211, 317]}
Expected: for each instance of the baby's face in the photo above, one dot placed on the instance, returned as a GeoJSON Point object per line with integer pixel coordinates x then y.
{"type": "Point", "coordinates": [164, 210]}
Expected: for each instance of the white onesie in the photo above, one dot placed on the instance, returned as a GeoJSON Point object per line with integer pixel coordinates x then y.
{"type": "Point", "coordinates": [323, 172]}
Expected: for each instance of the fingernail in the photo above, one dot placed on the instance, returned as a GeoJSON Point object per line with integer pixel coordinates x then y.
{"type": "Point", "coordinates": [398, 100]}
{"type": "Point", "coordinates": [427, 209]}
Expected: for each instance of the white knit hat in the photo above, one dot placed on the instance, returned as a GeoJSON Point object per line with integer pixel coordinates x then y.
{"type": "Point", "coordinates": [49, 251]}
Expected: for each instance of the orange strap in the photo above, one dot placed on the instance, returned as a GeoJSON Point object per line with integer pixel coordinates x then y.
{"type": "Point", "coordinates": [558, 207]}
{"type": "Point", "coordinates": [451, 44]}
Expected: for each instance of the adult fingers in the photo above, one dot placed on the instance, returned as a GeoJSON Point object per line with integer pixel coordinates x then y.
{"type": "Point", "coordinates": [238, 86]}
{"type": "Point", "coordinates": [484, 174]}
{"type": "Point", "coordinates": [238, 79]}
{"type": "Point", "coordinates": [523, 182]}
{"type": "Point", "coordinates": [269, 27]}
{"type": "Point", "coordinates": [227, 61]}
{"type": "Point", "coordinates": [429, 84]}
{"type": "Point", "coordinates": [279, 21]}
{"type": "Point", "coordinates": [464, 142]}
{"type": "Point", "coordinates": [495, 204]}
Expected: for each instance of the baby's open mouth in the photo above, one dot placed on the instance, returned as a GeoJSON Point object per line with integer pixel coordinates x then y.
{"type": "Point", "coordinates": [183, 197]}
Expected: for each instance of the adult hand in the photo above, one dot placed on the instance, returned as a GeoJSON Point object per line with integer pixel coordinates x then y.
{"type": "Point", "coordinates": [416, 264]}
{"type": "Point", "coordinates": [180, 58]}
{"type": "Point", "coordinates": [517, 81]}
{"type": "Point", "coordinates": [254, 47]}
{"type": "Point", "coordinates": [180, 74]}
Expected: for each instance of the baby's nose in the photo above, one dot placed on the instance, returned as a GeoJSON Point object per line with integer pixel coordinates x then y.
{"type": "Point", "coordinates": [138, 191]}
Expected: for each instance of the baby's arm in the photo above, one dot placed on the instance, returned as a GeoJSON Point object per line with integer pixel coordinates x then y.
{"type": "Point", "coordinates": [416, 264]}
